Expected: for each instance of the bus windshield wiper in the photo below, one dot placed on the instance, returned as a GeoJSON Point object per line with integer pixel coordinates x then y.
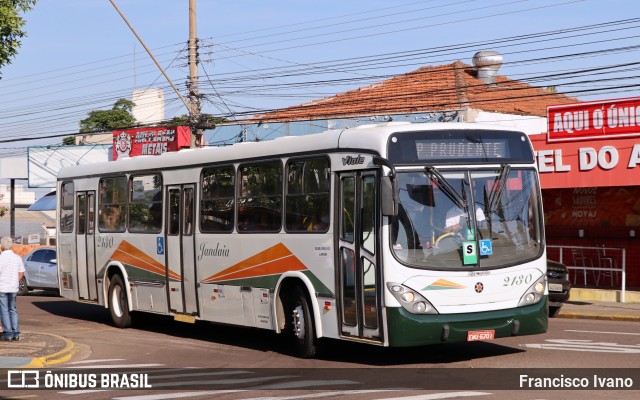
{"type": "Point", "coordinates": [496, 193]}
{"type": "Point", "coordinates": [447, 188]}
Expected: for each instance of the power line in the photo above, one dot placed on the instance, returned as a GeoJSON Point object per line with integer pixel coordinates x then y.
{"type": "Point", "coordinates": [229, 85]}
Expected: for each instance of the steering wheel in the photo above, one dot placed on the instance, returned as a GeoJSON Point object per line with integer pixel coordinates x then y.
{"type": "Point", "coordinates": [449, 236]}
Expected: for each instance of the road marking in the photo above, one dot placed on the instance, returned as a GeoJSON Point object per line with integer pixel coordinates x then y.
{"type": "Point", "coordinates": [317, 395]}
{"type": "Point", "coordinates": [117, 366]}
{"type": "Point", "coordinates": [164, 396]}
{"type": "Point", "coordinates": [608, 333]}
{"type": "Point", "coordinates": [188, 383]}
{"type": "Point", "coordinates": [304, 384]}
{"type": "Point", "coordinates": [95, 361]}
{"type": "Point", "coordinates": [585, 345]}
{"type": "Point", "coordinates": [435, 396]}
{"type": "Point", "coordinates": [200, 374]}
{"type": "Point", "coordinates": [221, 381]}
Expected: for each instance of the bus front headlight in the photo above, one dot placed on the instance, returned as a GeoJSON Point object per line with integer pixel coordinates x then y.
{"type": "Point", "coordinates": [411, 300]}
{"type": "Point", "coordinates": [534, 293]}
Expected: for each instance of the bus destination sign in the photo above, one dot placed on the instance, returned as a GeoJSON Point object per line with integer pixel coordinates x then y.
{"type": "Point", "coordinates": [460, 149]}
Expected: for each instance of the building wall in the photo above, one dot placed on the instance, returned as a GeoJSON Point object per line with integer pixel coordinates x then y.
{"type": "Point", "coordinates": [22, 196]}
{"type": "Point", "coordinates": [529, 124]}
{"type": "Point", "coordinates": [149, 105]}
{"type": "Point", "coordinates": [595, 225]}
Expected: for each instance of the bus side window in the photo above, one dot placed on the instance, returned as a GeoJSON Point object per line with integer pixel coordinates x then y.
{"type": "Point", "coordinates": [260, 196]}
{"type": "Point", "coordinates": [112, 204]}
{"type": "Point", "coordinates": [307, 195]}
{"type": "Point", "coordinates": [66, 207]}
{"type": "Point", "coordinates": [145, 203]}
{"type": "Point", "coordinates": [218, 199]}
{"type": "Point", "coordinates": [174, 212]}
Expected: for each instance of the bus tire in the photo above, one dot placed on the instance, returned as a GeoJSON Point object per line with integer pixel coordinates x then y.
{"type": "Point", "coordinates": [118, 305]}
{"type": "Point", "coordinates": [301, 324]}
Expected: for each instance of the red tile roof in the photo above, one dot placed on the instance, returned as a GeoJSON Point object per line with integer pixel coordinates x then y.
{"type": "Point", "coordinates": [428, 89]}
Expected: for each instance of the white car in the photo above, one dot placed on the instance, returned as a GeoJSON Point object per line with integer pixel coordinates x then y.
{"type": "Point", "coordinates": [41, 271]}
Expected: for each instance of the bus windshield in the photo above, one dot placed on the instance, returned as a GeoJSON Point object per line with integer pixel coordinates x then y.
{"type": "Point", "coordinates": [499, 215]}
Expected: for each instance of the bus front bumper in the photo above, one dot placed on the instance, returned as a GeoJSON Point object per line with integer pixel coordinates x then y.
{"type": "Point", "coordinates": [406, 329]}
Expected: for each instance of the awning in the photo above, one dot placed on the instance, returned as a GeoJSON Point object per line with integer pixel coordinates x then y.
{"type": "Point", "coordinates": [45, 203]}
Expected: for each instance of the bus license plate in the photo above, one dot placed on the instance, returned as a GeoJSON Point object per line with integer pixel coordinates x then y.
{"type": "Point", "coordinates": [555, 287]}
{"type": "Point", "coordinates": [480, 335]}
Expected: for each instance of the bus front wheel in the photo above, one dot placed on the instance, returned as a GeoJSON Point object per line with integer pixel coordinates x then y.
{"type": "Point", "coordinates": [301, 323]}
{"type": "Point", "coordinates": [118, 305]}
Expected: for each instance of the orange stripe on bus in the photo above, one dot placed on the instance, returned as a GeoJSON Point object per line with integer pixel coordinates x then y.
{"type": "Point", "coordinates": [274, 260]}
{"type": "Point", "coordinates": [446, 283]}
{"type": "Point", "coordinates": [129, 254]}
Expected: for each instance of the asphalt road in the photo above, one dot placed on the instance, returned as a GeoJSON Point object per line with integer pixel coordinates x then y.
{"type": "Point", "coordinates": [202, 354]}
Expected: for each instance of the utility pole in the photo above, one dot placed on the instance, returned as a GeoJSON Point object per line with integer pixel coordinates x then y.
{"type": "Point", "coordinates": [193, 105]}
{"type": "Point", "coordinates": [192, 84]}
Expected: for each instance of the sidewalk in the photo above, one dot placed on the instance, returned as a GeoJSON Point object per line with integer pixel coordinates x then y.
{"type": "Point", "coordinates": [40, 350]}
{"type": "Point", "coordinates": [601, 304]}
{"type": "Point", "coordinates": [603, 310]}
{"type": "Point", "coordinates": [35, 350]}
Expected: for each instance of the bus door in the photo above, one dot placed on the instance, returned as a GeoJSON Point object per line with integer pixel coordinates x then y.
{"type": "Point", "coordinates": [359, 276]}
{"type": "Point", "coordinates": [86, 245]}
{"type": "Point", "coordinates": [180, 249]}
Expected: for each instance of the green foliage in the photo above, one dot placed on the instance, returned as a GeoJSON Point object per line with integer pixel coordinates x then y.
{"type": "Point", "coordinates": [207, 121]}
{"type": "Point", "coordinates": [119, 117]}
{"type": "Point", "coordinates": [11, 24]}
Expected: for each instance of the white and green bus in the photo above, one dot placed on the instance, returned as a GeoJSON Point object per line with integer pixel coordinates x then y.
{"type": "Point", "coordinates": [395, 235]}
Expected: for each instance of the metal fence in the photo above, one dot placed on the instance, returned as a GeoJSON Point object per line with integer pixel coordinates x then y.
{"type": "Point", "coordinates": [604, 263]}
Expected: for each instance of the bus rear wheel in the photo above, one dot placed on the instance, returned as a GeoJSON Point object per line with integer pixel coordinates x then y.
{"type": "Point", "coordinates": [301, 324]}
{"type": "Point", "coordinates": [118, 305]}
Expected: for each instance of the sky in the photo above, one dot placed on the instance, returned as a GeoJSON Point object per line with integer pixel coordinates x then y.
{"type": "Point", "coordinates": [80, 55]}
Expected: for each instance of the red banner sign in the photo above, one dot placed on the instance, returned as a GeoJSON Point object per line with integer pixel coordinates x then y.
{"type": "Point", "coordinates": [149, 141]}
{"type": "Point", "coordinates": [589, 163]}
{"type": "Point", "coordinates": [594, 120]}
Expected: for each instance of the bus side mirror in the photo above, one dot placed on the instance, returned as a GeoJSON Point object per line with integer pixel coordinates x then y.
{"type": "Point", "coordinates": [389, 196]}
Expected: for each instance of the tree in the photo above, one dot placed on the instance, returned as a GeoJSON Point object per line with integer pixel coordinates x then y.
{"type": "Point", "coordinates": [207, 121]}
{"type": "Point", "coordinates": [119, 117]}
{"type": "Point", "coordinates": [11, 24]}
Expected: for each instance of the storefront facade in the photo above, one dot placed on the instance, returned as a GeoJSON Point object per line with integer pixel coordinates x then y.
{"type": "Point", "coordinates": [589, 164]}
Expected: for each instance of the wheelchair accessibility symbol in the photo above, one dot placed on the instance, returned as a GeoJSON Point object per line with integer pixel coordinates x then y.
{"type": "Point", "coordinates": [485, 247]}
{"type": "Point", "coordinates": [160, 245]}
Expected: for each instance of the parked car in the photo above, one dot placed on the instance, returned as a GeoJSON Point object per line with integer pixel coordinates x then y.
{"type": "Point", "coordinates": [559, 286]}
{"type": "Point", "coordinates": [41, 271]}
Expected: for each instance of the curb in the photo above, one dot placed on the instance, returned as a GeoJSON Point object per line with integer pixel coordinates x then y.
{"type": "Point", "coordinates": [612, 317]}
{"type": "Point", "coordinates": [55, 358]}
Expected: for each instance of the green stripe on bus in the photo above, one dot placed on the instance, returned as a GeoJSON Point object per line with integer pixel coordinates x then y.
{"type": "Point", "coordinates": [406, 329]}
